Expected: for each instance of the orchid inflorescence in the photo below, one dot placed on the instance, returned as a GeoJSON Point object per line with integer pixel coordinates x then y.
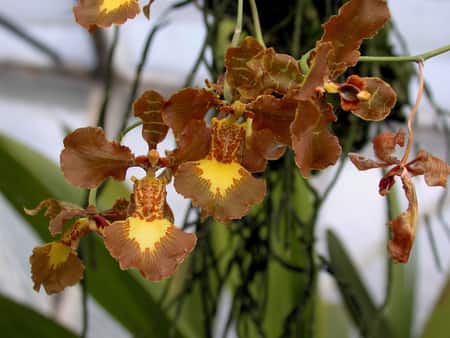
{"type": "Point", "coordinates": [264, 104]}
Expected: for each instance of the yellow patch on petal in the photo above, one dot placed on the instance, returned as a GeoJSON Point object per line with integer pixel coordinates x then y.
{"type": "Point", "coordinates": [58, 254]}
{"type": "Point", "coordinates": [111, 5]}
{"type": "Point", "coordinates": [146, 233]}
{"type": "Point", "coordinates": [220, 176]}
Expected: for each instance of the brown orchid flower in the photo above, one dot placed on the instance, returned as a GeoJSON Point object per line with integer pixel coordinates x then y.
{"type": "Point", "coordinates": [403, 227]}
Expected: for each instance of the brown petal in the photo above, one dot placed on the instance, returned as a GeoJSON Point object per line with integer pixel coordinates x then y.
{"type": "Point", "coordinates": [55, 266]}
{"type": "Point", "coordinates": [275, 114]}
{"type": "Point", "coordinates": [225, 191]}
{"type": "Point", "coordinates": [238, 74]}
{"type": "Point", "coordinates": [381, 100]}
{"type": "Point", "coordinates": [58, 212]}
{"type": "Point", "coordinates": [104, 13]}
{"type": "Point", "coordinates": [314, 145]}
{"type": "Point", "coordinates": [317, 76]}
{"type": "Point", "coordinates": [435, 170]}
{"type": "Point", "coordinates": [193, 143]}
{"type": "Point", "coordinates": [146, 8]}
{"type": "Point", "coordinates": [155, 247]}
{"type": "Point", "coordinates": [384, 145]}
{"type": "Point", "coordinates": [355, 21]}
{"type": "Point", "coordinates": [273, 72]}
{"type": "Point", "coordinates": [403, 227]}
{"type": "Point", "coordinates": [363, 163]}
{"type": "Point", "coordinates": [148, 108]}
{"type": "Point", "coordinates": [186, 105]}
{"type": "Point", "coordinates": [89, 158]}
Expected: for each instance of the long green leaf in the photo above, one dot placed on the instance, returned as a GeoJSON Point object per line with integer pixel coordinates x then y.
{"type": "Point", "coordinates": [27, 178]}
{"type": "Point", "coordinates": [359, 303]}
{"type": "Point", "coordinates": [438, 324]}
{"type": "Point", "coordinates": [20, 321]}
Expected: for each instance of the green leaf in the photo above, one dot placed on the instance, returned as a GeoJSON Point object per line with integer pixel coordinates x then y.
{"type": "Point", "coordinates": [20, 321]}
{"type": "Point", "coordinates": [332, 320]}
{"type": "Point", "coordinates": [27, 178]}
{"type": "Point", "coordinates": [359, 303]}
{"type": "Point", "coordinates": [438, 324]}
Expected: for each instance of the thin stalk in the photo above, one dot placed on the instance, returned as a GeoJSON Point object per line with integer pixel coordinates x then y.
{"type": "Point", "coordinates": [413, 114]}
{"type": "Point", "coordinates": [256, 23]}
{"type": "Point", "coordinates": [411, 58]}
{"type": "Point", "coordinates": [295, 43]}
{"type": "Point", "coordinates": [433, 244]}
{"type": "Point", "coordinates": [238, 27]}
{"type": "Point", "coordinates": [92, 197]}
{"type": "Point", "coordinates": [138, 72]}
{"type": "Point", "coordinates": [108, 79]}
{"type": "Point", "coordinates": [127, 130]}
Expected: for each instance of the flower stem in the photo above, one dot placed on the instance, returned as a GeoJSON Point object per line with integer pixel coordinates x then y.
{"type": "Point", "coordinates": [238, 27]}
{"type": "Point", "coordinates": [412, 58]}
{"type": "Point", "coordinates": [413, 114]}
{"type": "Point", "coordinates": [93, 197]}
{"type": "Point", "coordinates": [127, 129]}
{"type": "Point", "coordinates": [256, 23]}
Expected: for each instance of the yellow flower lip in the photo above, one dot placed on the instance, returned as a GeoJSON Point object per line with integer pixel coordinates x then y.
{"type": "Point", "coordinates": [221, 177]}
{"type": "Point", "coordinates": [58, 254]}
{"type": "Point", "coordinates": [147, 233]}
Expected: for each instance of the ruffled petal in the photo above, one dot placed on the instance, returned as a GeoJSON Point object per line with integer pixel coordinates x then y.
{"type": "Point", "coordinates": [384, 145]}
{"type": "Point", "coordinates": [355, 21]}
{"type": "Point", "coordinates": [104, 13]}
{"type": "Point", "coordinates": [59, 212]}
{"type": "Point", "coordinates": [314, 145]}
{"type": "Point", "coordinates": [433, 168]}
{"type": "Point", "coordinates": [154, 247]}
{"type": "Point", "coordinates": [403, 227]}
{"type": "Point", "coordinates": [89, 158]}
{"type": "Point", "coordinates": [147, 240]}
{"type": "Point", "coordinates": [55, 266]}
{"type": "Point", "coordinates": [363, 163]}
{"type": "Point", "coordinates": [225, 191]}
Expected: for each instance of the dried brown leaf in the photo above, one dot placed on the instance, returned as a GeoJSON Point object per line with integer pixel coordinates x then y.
{"type": "Point", "coordinates": [384, 146]}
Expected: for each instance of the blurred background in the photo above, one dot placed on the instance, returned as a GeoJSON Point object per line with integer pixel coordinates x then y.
{"type": "Point", "coordinates": [52, 81]}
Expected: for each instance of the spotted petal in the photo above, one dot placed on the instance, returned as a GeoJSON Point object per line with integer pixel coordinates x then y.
{"type": "Point", "coordinates": [55, 266]}
{"type": "Point", "coordinates": [225, 191]}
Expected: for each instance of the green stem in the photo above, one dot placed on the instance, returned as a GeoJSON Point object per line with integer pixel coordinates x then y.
{"type": "Point", "coordinates": [256, 23]}
{"type": "Point", "coordinates": [413, 58]}
{"type": "Point", "coordinates": [93, 197]}
{"type": "Point", "coordinates": [238, 28]}
{"type": "Point", "coordinates": [108, 80]}
{"type": "Point", "coordinates": [128, 129]}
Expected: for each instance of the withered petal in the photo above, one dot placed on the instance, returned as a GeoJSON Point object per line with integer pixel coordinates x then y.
{"type": "Point", "coordinates": [148, 108]}
{"type": "Point", "coordinates": [55, 266]}
{"type": "Point", "coordinates": [89, 158]}
{"type": "Point", "coordinates": [433, 168]}
{"type": "Point", "coordinates": [403, 227]}
{"type": "Point", "coordinates": [384, 145]}
{"type": "Point", "coordinates": [104, 13]}
{"type": "Point", "coordinates": [225, 191]}
{"type": "Point", "coordinates": [363, 163]}
{"type": "Point", "coordinates": [355, 21]}
{"type": "Point", "coordinates": [58, 212]}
